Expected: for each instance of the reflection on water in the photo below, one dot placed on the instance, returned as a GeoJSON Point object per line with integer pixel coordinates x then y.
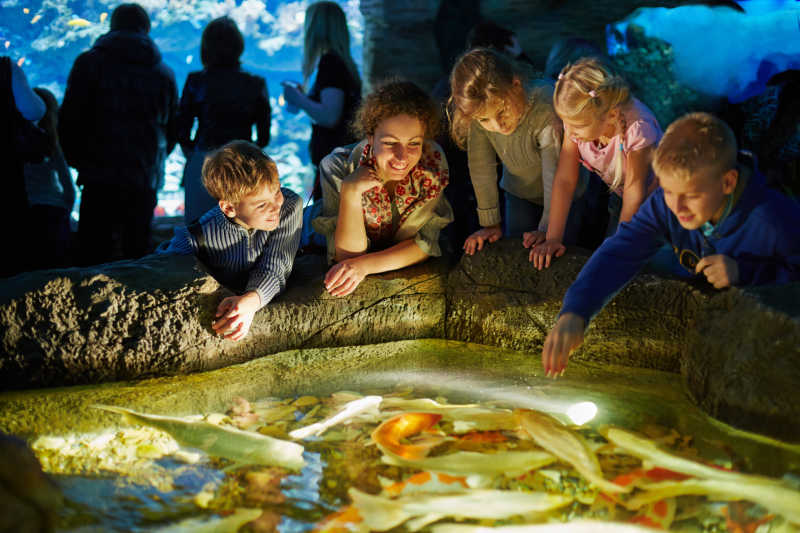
{"type": "Point", "coordinates": [147, 481]}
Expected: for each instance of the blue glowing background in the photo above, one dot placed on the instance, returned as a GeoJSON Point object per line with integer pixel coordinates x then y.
{"type": "Point", "coordinates": [47, 35]}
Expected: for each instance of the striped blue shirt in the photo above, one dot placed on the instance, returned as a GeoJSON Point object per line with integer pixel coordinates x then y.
{"type": "Point", "coordinates": [252, 260]}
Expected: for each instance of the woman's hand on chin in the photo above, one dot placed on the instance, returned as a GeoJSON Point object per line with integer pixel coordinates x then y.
{"type": "Point", "coordinates": [362, 180]}
{"type": "Point", "coordinates": [344, 277]}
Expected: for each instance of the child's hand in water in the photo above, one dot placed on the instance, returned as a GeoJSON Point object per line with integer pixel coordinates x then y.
{"type": "Point", "coordinates": [720, 270]}
{"type": "Point", "coordinates": [565, 336]}
{"type": "Point", "coordinates": [235, 314]}
{"type": "Point", "coordinates": [542, 253]}
{"type": "Point", "coordinates": [476, 240]}
{"type": "Point", "coordinates": [532, 238]}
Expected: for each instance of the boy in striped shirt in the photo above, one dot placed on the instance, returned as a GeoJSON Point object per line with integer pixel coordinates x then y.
{"type": "Point", "coordinates": [249, 241]}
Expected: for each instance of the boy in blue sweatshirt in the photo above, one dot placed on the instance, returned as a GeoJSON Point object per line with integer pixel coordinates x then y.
{"type": "Point", "coordinates": [248, 242]}
{"type": "Point", "coordinates": [715, 211]}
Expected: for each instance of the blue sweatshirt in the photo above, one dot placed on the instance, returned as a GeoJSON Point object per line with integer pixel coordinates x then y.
{"type": "Point", "coordinates": [761, 233]}
{"type": "Point", "coordinates": [246, 260]}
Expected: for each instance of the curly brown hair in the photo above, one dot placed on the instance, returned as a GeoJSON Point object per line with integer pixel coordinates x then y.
{"type": "Point", "coordinates": [392, 98]}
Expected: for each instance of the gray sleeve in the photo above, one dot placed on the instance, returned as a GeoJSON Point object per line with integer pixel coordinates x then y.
{"type": "Point", "coordinates": [273, 267]}
{"type": "Point", "coordinates": [427, 238]}
{"type": "Point", "coordinates": [333, 168]}
{"type": "Point", "coordinates": [482, 159]}
{"type": "Point", "coordinates": [549, 149]}
{"type": "Point", "coordinates": [182, 243]}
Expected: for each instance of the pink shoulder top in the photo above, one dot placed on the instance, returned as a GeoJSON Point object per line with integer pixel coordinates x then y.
{"type": "Point", "coordinates": [642, 131]}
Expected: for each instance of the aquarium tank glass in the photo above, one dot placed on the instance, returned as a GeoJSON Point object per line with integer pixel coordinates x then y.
{"type": "Point", "coordinates": [739, 53]}
{"type": "Point", "coordinates": [45, 37]}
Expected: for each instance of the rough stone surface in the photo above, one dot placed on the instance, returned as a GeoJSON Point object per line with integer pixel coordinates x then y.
{"type": "Point", "coordinates": [737, 349]}
{"type": "Point", "coordinates": [742, 359]}
{"type": "Point", "coordinates": [107, 323]}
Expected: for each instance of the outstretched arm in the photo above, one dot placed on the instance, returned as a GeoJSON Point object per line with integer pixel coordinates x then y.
{"type": "Point", "coordinates": [29, 104]}
{"type": "Point", "coordinates": [327, 112]}
{"type": "Point", "coordinates": [344, 277]}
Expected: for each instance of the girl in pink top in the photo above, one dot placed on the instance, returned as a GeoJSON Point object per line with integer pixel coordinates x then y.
{"type": "Point", "coordinates": [609, 132]}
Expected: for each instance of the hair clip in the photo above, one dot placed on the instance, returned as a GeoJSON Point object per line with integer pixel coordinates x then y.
{"type": "Point", "coordinates": [593, 93]}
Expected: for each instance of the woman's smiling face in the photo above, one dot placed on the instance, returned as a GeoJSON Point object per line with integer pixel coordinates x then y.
{"type": "Point", "coordinates": [397, 146]}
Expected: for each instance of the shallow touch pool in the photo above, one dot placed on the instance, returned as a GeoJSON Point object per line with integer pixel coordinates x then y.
{"type": "Point", "coordinates": [167, 490]}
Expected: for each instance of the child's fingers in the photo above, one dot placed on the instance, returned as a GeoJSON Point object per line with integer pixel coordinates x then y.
{"type": "Point", "coordinates": [223, 306]}
{"type": "Point", "coordinates": [234, 334]}
{"type": "Point", "coordinates": [704, 263]}
{"type": "Point", "coordinates": [223, 324]}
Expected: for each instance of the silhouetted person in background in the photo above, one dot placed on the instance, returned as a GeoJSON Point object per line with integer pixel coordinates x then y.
{"type": "Point", "coordinates": [18, 105]}
{"type": "Point", "coordinates": [333, 99]}
{"type": "Point", "coordinates": [226, 101]}
{"type": "Point", "coordinates": [487, 34]}
{"type": "Point", "coordinates": [51, 196]}
{"type": "Point", "coordinates": [117, 126]}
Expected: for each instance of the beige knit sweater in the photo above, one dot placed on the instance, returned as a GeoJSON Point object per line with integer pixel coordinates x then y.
{"type": "Point", "coordinates": [529, 156]}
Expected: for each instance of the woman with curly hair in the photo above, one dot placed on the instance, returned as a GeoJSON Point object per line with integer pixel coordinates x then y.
{"type": "Point", "coordinates": [383, 206]}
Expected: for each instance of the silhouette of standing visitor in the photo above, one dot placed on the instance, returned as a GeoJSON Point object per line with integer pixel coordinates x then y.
{"type": "Point", "coordinates": [19, 107]}
{"type": "Point", "coordinates": [226, 101]}
{"type": "Point", "coordinates": [117, 126]}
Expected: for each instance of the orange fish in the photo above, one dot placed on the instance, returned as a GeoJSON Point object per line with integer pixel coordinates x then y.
{"type": "Point", "coordinates": [427, 482]}
{"type": "Point", "coordinates": [738, 521]}
{"type": "Point", "coordinates": [389, 434]}
{"type": "Point", "coordinates": [657, 515]}
{"type": "Point", "coordinates": [654, 474]}
{"type": "Point", "coordinates": [345, 520]}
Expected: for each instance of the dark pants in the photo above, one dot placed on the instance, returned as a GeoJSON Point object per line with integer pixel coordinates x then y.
{"type": "Point", "coordinates": [52, 247]}
{"type": "Point", "coordinates": [114, 223]}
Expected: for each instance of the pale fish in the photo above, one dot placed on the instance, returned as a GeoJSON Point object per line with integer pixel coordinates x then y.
{"type": "Point", "coordinates": [776, 498]}
{"type": "Point", "coordinates": [103, 17]}
{"type": "Point", "coordinates": [647, 450]}
{"type": "Point", "coordinates": [567, 445]}
{"type": "Point", "coordinates": [78, 23]}
{"type": "Point", "coordinates": [35, 19]}
{"type": "Point", "coordinates": [215, 525]}
{"type": "Point", "coordinates": [773, 494]}
{"type": "Point", "coordinates": [242, 447]}
{"type": "Point", "coordinates": [380, 513]}
{"type": "Point", "coordinates": [577, 526]}
{"type": "Point", "coordinates": [479, 468]}
{"type": "Point", "coordinates": [349, 411]}
{"type": "Point", "coordinates": [425, 482]}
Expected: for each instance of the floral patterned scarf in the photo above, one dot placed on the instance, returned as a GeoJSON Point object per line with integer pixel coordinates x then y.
{"type": "Point", "coordinates": [414, 196]}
